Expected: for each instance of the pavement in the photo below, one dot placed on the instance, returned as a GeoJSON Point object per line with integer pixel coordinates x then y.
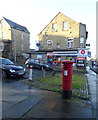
{"type": "Point", "coordinates": [93, 85]}
{"type": "Point", "coordinates": [95, 69]}
{"type": "Point", "coordinates": [21, 101]}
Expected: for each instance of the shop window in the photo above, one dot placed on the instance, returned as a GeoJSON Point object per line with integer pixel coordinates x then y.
{"type": "Point", "coordinates": [49, 43]}
{"type": "Point", "coordinates": [70, 43]}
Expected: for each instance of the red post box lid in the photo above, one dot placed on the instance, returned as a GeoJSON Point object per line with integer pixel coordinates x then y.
{"type": "Point", "coordinates": [67, 62]}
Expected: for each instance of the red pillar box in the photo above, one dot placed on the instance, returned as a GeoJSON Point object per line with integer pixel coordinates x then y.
{"type": "Point", "coordinates": [67, 79]}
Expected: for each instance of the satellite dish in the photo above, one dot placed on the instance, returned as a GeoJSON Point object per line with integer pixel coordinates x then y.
{"type": "Point", "coordinates": [38, 44]}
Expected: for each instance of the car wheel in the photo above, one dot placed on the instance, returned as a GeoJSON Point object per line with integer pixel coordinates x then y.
{"type": "Point", "coordinates": [4, 75]}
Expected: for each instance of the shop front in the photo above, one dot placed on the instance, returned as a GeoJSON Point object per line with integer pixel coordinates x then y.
{"type": "Point", "coordinates": [57, 57]}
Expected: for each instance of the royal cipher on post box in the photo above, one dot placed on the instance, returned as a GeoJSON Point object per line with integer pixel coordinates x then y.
{"type": "Point", "coordinates": [67, 79]}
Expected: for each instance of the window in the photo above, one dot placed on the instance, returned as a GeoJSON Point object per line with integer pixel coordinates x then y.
{"type": "Point", "coordinates": [2, 24]}
{"type": "Point", "coordinates": [4, 34]}
{"type": "Point", "coordinates": [70, 43]}
{"type": "Point", "coordinates": [22, 47]}
{"type": "Point", "coordinates": [58, 45]}
{"type": "Point", "coordinates": [65, 26]}
{"type": "Point", "coordinates": [54, 27]}
{"type": "Point", "coordinates": [81, 39]}
{"type": "Point", "coordinates": [22, 36]}
{"type": "Point", "coordinates": [49, 43]}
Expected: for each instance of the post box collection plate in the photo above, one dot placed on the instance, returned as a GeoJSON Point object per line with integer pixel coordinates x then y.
{"type": "Point", "coordinates": [65, 72]}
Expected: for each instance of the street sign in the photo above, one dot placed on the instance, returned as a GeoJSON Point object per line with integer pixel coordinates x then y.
{"type": "Point", "coordinates": [82, 53]}
{"type": "Point", "coordinates": [89, 54]}
{"type": "Point", "coordinates": [80, 62]}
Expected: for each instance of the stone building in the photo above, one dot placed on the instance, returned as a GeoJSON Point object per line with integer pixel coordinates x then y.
{"type": "Point", "coordinates": [61, 39]}
{"type": "Point", "coordinates": [16, 39]}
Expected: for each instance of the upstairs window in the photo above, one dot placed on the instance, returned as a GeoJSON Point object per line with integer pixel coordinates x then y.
{"type": "Point", "coordinates": [4, 34]}
{"type": "Point", "coordinates": [70, 43]}
{"type": "Point", "coordinates": [0, 24]}
{"type": "Point", "coordinates": [49, 43]}
{"type": "Point", "coordinates": [54, 27]}
{"type": "Point", "coordinates": [65, 26]}
{"type": "Point", "coordinates": [81, 39]}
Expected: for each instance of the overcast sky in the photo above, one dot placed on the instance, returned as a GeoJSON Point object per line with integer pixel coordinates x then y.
{"type": "Point", "coordinates": [36, 14]}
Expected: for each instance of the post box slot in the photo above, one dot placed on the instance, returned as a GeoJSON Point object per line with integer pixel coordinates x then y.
{"type": "Point", "coordinates": [66, 67]}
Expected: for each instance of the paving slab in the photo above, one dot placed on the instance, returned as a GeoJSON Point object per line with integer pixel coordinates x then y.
{"type": "Point", "coordinates": [23, 101]}
{"type": "Point", "coordinates": [21, 108]}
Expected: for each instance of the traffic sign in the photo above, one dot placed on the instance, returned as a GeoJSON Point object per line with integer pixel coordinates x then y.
{"type": "Point", "coordinates": [82, 52]}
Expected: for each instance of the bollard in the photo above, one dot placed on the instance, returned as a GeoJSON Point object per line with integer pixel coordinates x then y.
{"type": "Point", "coordinates": [30, 72]}
{"type": "Point", "coordinates": [67, 79]}
{"type": "Point", "coordinates": [44, 72]}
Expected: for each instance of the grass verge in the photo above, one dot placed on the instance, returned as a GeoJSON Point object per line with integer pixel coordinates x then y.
{"type": "Point", "coordinates": [54, 83]}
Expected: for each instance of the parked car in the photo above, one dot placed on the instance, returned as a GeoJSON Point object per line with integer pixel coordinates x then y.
{"type": "Point", "coordinates": [9, 69]}
{"type": "Point", "coordinates": [37, 65]}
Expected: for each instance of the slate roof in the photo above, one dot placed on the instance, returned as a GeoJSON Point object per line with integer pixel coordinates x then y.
{"type": "Point", "coordinates": [16, 26]}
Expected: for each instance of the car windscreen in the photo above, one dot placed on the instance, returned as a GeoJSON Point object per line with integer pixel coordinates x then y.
{"type": "Point", "coordinates": [6, 62]}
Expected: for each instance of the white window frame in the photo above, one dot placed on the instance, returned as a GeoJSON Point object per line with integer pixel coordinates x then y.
{"type": "Point", "coordinates": [4, 34]}
{"type": "Point", "coordinates": [54, 27]}
{"type": "Point", "coordinates": [58, 45]}
{"type": "Point", "coordinates": [70, 43]}
{"type": "Point", "coordinates": [65, 26]}
{"type": "Point", "coordinates": [49, 43]}
{"type": "Point", "coordinates": [82, 39]}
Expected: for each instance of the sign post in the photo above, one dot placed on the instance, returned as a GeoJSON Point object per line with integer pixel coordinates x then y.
{"type": "Point", "coordinates": [81, 59]}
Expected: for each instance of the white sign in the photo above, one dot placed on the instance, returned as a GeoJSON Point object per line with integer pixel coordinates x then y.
{"type": "Point", "coordinates": [65, 72]}
{"type": "Point", "coordinates": [82, 53]}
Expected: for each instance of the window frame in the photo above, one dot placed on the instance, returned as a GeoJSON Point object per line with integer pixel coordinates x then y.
{"type": "Point", "coordinates": [65, 26]}
{"type": "Point", "coordinates": [70, 43]}
{"type": "Point", "coordinates": [49, 44]}
{"type": "Point", "coordinates": [58, 46]}
{"type": "Point", "coordinates": [54, 27]}
{"type": "Point", "coordinates": [83, 39]}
